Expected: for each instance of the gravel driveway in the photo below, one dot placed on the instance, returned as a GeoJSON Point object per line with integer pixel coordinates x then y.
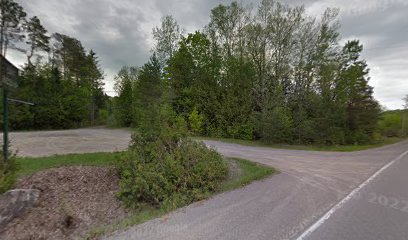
{"type": "Point", "coordinates": [85, 140]}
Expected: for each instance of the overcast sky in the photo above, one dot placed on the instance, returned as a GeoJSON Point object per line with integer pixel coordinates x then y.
{"type": "Point", "coordinates": [119, 31]}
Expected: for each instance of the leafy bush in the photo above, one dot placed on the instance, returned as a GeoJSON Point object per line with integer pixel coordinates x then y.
{"type": "Point", "coordinates": [277, 126]}
{"type": "Point", "coordinates": [168, 171]}
{"type": "Point", "coordinates": [196, 120]}
{"type": "Point", "coordinates": [8, 171]}
{"type": "Point", "coordinates": [391, 123]}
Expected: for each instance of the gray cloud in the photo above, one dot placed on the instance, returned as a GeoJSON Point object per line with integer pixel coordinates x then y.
{"type": "Point", "coordinates": [120, 31]}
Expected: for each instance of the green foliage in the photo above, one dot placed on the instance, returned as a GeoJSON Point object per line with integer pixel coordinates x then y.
{"type": "Point", "coordinates": [251, 79]}
{"type": "Point", "coordinates": [276, 126]}
{"type": "Point", "coordinates": [391, 123]}
{"type": "Point", "coordinates": [250, 171]}
{"type": "Point", "coordinates": [66, 87]}
{"type": "Point", "coordinates": [163, 167]}
{"type": "Point", "coordinates": [168, 171]}
{"type": "Point", "coordinates": [246, 172]}
{"type": "Point", "coordinates": [147, 96]}
{"type": "Point", "coordinates": [123, 104]}
{"type": "Point", "coordinates": [30, 165]}
{"type": "Point", "coordinates": [8, 172]}
{"type": "Point", "coordinates": [275, 74]}
{"type": "Point", "coordinates": [65, 94]}
{"type": "Point", "coordinates": [195, 121]}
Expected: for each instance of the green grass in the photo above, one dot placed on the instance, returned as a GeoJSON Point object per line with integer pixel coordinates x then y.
{"type": "Point", "coordinates": [250, 171]}
{"type": "Point", "coordinates": [334, 148]}
{"type": "Point", "coordinates": [31, 165]}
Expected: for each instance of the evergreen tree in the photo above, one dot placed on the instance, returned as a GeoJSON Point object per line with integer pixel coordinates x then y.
{"type": "Point", "coordinates": [148, 96]}
{"type": "Point", "coordinates": [361, 107]}
{"type": "Point", "coordinates": [124, 86]}
{"type": "Point", "coordinates": [37, 38]}
{"type": "Point", "coordinates": [12, 17]}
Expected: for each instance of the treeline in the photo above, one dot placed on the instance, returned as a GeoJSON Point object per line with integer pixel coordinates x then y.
{"type": "Point", "coordinates": [61, 78]}
{"type": "Point", "coordinates": [274, 74]}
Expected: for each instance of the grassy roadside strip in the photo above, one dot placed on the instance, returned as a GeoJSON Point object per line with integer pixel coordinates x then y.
{"type": "Point", "coordinates": [242, 172]}
{"type": "Point", "coordinates": [29, 165]}
{"type": "Point", "coordinates": [334, 148]}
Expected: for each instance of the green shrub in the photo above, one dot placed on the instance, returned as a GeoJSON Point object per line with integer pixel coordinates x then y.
{"type": "Point", "coordinates": [391, 124]}
{"type": "Point", "coordinates": [168, 171]}
{"type": "Point", "coordinates": [8, 172]}
{"type": "Point", "coordinates": [277, 126]}
{"type": "Point", "coordinates": [103, 115]}
{"type": "Point", "coordinates": [195, 120]}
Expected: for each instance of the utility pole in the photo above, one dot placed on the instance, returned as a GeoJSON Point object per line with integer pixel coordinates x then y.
{"type": "Point", "coordinates": [8, 80]}
{"type": "Point", "coordinates": [5, 123]}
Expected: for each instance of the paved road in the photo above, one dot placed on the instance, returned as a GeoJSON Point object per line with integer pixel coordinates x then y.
{"type": "Point", "coordinates": [378, 211]}
{"type": "Point", "coordinates": [285, 205]}
{"type": "Point", "coordinates": [45, 143]}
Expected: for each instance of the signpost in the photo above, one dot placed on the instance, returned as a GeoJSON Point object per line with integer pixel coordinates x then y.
{"type": "Point", "coordinates": [8, 80]}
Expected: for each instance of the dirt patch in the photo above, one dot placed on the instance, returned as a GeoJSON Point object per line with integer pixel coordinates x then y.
{"type": "Point", "coordinates": [72, 201]}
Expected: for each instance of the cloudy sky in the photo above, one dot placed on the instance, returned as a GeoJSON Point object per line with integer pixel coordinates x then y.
{"type": "Point", "coordinates": [120, 31]}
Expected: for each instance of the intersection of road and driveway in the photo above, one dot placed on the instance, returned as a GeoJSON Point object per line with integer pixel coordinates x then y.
{"type": "Point", "coordinates": [309, 199]}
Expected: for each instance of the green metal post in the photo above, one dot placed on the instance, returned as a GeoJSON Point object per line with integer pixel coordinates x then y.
{"type": "Point", "coordinates": [5, 123]}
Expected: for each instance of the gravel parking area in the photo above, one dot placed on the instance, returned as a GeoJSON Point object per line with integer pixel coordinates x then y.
{"type": "Point", "coordinates": [85, 140]}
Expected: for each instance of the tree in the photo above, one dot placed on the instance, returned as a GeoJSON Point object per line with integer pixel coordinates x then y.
{"type": "Point", "coordinates": [361, 108]}
{"type": "Point", "coordinates": [148, 95]}
{"type": "Point", "coordinates": [125, 82]}
{"type": "Point", "coordinates": [167, 37]}
{"type": "Point", "coordinates": [94, 75]}
{"type": "Point", "coordinates": [67, 93]}
{"type": "Point", "coordinates": [226, 28]}
{"type": "Point", "coordinates": [11, 25]}
{"type": "Point", "coordinates": [70, 56]}
{"type": "Point", "coordinates": [274, 74]}
{"type": "Point", "coordinates": [37, 38]}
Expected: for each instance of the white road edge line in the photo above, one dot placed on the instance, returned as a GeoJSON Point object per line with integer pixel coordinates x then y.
{"type": "Point", "coordinates": [323, 219]}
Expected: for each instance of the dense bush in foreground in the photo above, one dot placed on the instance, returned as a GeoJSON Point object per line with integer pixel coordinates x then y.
{"type": "Point", "coordinates": [168, 171]}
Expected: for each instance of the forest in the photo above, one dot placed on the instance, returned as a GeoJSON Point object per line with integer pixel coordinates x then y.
{"type": "Point", "coordinates": [270, 72]}
{"type": "Point", "coordinates": [61, 78]}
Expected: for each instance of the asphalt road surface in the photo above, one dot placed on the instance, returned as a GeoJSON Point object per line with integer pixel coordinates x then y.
{"type": "Point", "coordinates": [287, 205]}
{"type": "Point", "coordinates": [85, 140]}
{"type": "Point", "coordinates": [379, 210]}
